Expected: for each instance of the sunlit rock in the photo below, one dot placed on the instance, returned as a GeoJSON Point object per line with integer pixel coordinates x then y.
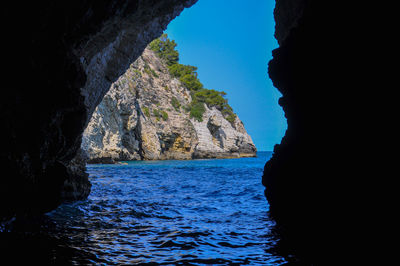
{"type": "Point", "coordinates": [144, 116]}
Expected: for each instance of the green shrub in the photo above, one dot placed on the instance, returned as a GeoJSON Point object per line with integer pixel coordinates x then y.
{"type": "Point", "coordinates": [154, 73]}
{"type": "Point", "coordinates": [187, 75]}
{"type": "Point", "coordinates": [215, 99]}
{"type": "Point", "coordinates": [137, 72]}
{"type": "Point", "coordinates": [150, 71]}
{"type": "Point", "coordinates": [228, 113]}
{"type": "Point", "coordinates": [146, 111]}
{"type": "Point", "coordinates": [164, 115]}
{"type": "Point", "coordinates": [231, 118]}
{"type": "Point", "coordinates": [178, 70]}
{"type": "Point", "coordinates": [160, 114]}
{"type": "Point", "coordinates": [197, 110]}
{"type": "Point", "coordinates": [165, 48]}
{"type": "Point", "coordinates": [211, 98]}
{"type": "Point", "coordinates": [191, 82]}
{"type": "Point", "coordinates": [175, 103]}
{"type": "Point", "coordinates": [156, 113]}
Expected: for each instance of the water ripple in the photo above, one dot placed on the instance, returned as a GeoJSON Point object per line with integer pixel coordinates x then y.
{"type": "Point", "coordinates": [165, 212]}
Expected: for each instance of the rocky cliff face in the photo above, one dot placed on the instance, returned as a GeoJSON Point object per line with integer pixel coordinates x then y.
{"type": "Point", "coordinates": [144, 116]}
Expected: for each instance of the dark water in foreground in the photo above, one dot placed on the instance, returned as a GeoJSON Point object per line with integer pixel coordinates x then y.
{"type": "Point", "coordinates": [164, 212]}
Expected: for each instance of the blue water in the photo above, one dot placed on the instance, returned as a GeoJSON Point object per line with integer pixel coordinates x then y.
{"type": "Point", "coordinates": [168, 212]}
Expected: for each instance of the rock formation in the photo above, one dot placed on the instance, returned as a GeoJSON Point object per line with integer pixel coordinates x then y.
{"type": "Point", "coordinates": [72, 52]}
{"type": "Point", "coordinates": [61, 57]}
{"type": "Point", "coordinates": [144, 116]}
{"type": "Point", "coordinates": [316, 182]}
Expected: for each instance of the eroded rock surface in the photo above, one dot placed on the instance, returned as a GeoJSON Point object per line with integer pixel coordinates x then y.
{"type": "Point", "coordinates": [144, 116]}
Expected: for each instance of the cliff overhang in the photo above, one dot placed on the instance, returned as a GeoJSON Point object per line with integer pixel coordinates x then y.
{"type": "Point", "coordinates": [71, 52]}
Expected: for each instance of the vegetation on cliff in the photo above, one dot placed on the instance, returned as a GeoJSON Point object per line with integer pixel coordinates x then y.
{"type": "Point", "coordinates": [149, 115]}
{"type": "Point", "coordinates": [187, 75]}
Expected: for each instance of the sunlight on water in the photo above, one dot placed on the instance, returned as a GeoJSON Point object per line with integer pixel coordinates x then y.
{"type": "Point", "coordinates": [167, 212]}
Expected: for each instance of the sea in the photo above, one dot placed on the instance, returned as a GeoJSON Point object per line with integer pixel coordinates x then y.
{"type": "Point", "coordinates": [192, 212]}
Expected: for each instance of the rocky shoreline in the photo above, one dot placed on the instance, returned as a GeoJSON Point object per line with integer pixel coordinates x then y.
{"type": "Point", "coordinates": [109, 160]}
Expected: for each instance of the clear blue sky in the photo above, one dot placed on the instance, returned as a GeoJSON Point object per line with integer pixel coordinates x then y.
{"type": "Point", "coordinates": [230, 41]}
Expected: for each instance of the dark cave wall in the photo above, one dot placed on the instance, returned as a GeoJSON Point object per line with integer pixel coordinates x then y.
{"type": "Point", "coordinates": [316, 180]}
{"type": "Point", "coordinates": [60, 59]}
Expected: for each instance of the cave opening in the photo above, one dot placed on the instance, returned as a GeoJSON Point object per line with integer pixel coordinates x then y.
{"type": "Point", "coordinates": [207, 211]}
{"type": "Point", "coordinates": [163, 169]}
{"type": "Point", "coordinates": [215, 61]}
{"type": "Point", "coordinates": [62, 57]}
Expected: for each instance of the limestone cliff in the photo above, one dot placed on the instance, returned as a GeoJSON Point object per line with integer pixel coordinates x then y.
{"type": "Point", "coordinates": [145, 116]}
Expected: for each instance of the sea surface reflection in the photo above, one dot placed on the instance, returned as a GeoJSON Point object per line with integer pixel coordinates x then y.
{"type": "Point", "coordinates": [161, 212]}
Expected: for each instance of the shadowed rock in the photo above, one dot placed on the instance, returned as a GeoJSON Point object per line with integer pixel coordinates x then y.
{"type": "Point", "coordinates": [316, 182]}
{"type": "Point", "coordinates": [71, 52]}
